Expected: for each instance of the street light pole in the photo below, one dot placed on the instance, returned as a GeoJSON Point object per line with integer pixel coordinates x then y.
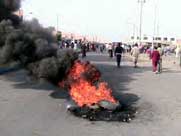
{"type": "Point", "coordinates": [141, 16]}
{"type": "Point", "coordinates": [156, 23]}
{"type": "Point", "coordinates": [133, 31]}
{"type": "Point", "coordinates": [57, 22]}
{"type": "Point", "coordinates": [154, 27]}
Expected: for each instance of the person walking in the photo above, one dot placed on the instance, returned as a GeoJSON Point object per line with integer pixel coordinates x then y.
{"type": "Point", "coordinates": [155, 56]}
{"type": "Point", "coordinates": [110, 50]}
{"type": "Point", "coordinates": [83, 48]}
{"type": "Point", "coordinates": [161, 52]}
{"type": "Point", "coordinates": [118, 53]}
{"type": "Point", "coordinates": [135, 54]}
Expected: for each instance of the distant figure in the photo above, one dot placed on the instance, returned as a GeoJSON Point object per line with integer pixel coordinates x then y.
{"type": "Point", "coordinates": [110, 50]}
{"type": "Point", "coordinates": [101, 48]}
{"type": "Point", "coordinates": [75, 46]}
{"type": "Point", "coordinates": [177, 51]}
{"type": "Point", "coordinates": [155, 59]}
{"type": "Point", "coordinates": [178, 54]}
{"type": "Point", "coordinates": [88, 47]}
{"type": "Point", "coordinates": [135, 53]}
{"type": "Point", "coordinates": [97, 47]}
{"type": "Point", "coordinates": [161, 52]}
{"type": "Point", "coordinates": [83, 50]}
{"type": "Point", "coordinates": [72, 45]}
{"type": "Point", "coordinates": [118, 53]}
{"type": "Point", "coordinates": [93, 48]}
{"type": "Point", "coordinates": [129, 48]}
{"type": "Point", "coordinates": [148, 52]}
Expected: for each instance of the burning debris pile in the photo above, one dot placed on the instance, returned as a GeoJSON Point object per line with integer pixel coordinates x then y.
{"type": "Point", "coordinates": [92, 99]}
{"type": "Point", "coordinates": [32, 46]}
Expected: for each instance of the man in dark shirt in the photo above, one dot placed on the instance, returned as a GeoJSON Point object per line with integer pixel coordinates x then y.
{"type": "Point", "coordinates": [118, 53]}
{"type": "Point", "coordinates": [83, 48]}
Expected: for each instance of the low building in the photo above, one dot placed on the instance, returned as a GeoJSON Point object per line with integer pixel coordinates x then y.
{"type": "Point", "coordinates": [149, 40]}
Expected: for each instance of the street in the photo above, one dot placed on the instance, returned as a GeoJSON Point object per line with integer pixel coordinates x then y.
{"type": "Point", "coordinates": [34, 109]}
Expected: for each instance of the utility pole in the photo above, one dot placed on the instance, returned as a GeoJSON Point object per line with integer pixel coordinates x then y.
{"type": "Point", "coordinates": [57, 22]}
{"type": "Point", "coordinates": [154, 27]}
{"type": "Point", "coordinates": [133, 31]}
{"type": "Point", "coordinates": [141, 2]}
{"type": "Point", "coordinates": [156, 23]}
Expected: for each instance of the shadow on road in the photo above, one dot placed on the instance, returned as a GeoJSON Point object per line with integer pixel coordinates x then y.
{"type": "Point", "coordinates": [167, 70]}
{"type": "Point", "coordinates": [21, 80]}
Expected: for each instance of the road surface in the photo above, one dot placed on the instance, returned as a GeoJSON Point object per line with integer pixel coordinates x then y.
{"type": "Point", "coordinates": [32, 109]}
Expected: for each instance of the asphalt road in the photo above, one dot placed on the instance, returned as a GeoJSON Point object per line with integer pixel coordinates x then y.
{"type": "Point", "coordinates": [32, 109]}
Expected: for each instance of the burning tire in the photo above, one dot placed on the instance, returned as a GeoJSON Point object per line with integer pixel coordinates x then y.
{"type": "Point", "coordinates": [99, 113]}
{"type": "Point", "coordinates": [92, 99]}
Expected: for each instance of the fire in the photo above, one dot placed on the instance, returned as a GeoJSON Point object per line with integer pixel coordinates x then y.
{"type": "Point", "coordinates": [84, 93]}
{"type": "Point", "coordinates": [82, 88]}
{"type": "Point", "coordinates": [84, 70]}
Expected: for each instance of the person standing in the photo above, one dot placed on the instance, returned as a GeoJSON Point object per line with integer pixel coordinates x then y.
{"type": "Point", "coordinates": [118, 53]}
{"type": "Point", "coordinates": [155, 56]}
{"type": "Point", "coordinates": [135, 53]}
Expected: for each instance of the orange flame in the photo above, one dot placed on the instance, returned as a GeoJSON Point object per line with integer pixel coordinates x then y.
{"type": "Point", "coordinates": [80, 68]}
{"type": "Point", "coordinates": [84, 93]}
{"type": "Point", "coordinates": [82, 90]}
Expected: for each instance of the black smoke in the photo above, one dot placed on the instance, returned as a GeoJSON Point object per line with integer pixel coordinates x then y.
{"type": "Point", "coordinates": [7, 7]}
{"type": "Point", "coordinates": [31, 46]}
{"type": "Point", "coordinates": [34, 48]}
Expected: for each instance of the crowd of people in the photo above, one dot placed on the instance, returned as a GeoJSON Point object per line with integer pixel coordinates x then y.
{"type": "Point", "coordinates": [82, 46]}
{"type": "Point", "coordinates": [155, 53]}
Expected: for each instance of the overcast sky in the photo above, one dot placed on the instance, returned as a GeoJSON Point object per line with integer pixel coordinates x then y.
{"type": "Point", "coordinates": [111, 19]}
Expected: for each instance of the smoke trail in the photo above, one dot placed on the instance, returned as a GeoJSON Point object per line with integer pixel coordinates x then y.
{"type": "Point", "coordinates": [31, 46]}
{"type": "Point", "coordinates": [34, 48]}
{"type": "Point", "coordinates": [7, 7]}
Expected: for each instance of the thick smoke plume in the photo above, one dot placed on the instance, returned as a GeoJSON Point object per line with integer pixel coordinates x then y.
{"type": "Point", "coordinates": [7, 7]}
{"type": "Point", "coordinates": [33, 47]}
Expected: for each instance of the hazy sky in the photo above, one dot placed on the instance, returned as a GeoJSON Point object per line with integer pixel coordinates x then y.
{"type": "Point", "coordinates": [111, 19]}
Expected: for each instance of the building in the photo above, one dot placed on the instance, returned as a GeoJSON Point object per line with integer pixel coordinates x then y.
{"type": "Point", "coordinates": [149, 40]}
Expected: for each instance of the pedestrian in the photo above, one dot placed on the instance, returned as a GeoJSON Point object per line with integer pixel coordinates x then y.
{"type": "Point", "coordinates": [83, 50]}
{"type": "Point", "coordinates": [118, 53]}
{"type": "Point", "coordinates": [101, 48]}
{"type": "Point", "coordinates": [161, 52]}
{"type": "Point", "coordinates": [135, 54]}
{"type": "Point", "coordinates": [93, 47]}
{"type": "Point", "coordinates": [148, 52]}
{"type": "Point", "coordinates": [178, 54]}
{"type": "Point", "coordinates": [72, 45]}
{"type": "Point", "coordinates": [177, 51]}
{"type": "Point", "coordinates": [129, 48]}
{"type": "Point", "coordinates": [75, 45]}
{"type": "Point", "coordinates": [110, 50]}
{"type": "Point", "coordinates": [155, 59]}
